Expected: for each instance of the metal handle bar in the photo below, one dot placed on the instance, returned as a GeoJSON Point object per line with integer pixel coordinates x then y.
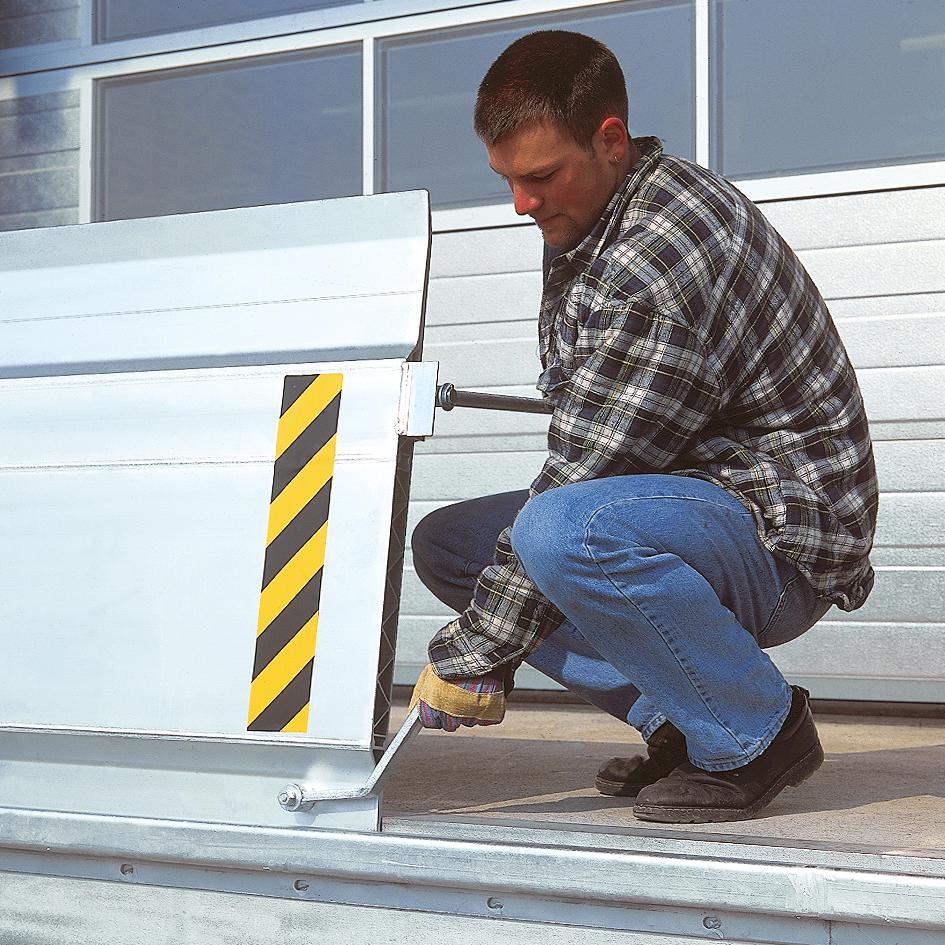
{"type": "Point", "coordinates": [296, 797]}
{"type": "Point", "coordinates": [448, 397]}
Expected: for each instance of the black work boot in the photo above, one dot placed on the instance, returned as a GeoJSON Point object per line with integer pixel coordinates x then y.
{"type": "Point", "coordinates": [624, 777]}
{"type": "Point", "coordinates": [693, 796]}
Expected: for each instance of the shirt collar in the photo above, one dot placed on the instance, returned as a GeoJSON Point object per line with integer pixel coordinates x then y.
{"type": "Point", "coordinates": [608, 226]}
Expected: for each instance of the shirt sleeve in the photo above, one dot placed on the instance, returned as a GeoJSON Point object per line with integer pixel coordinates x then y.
{"type": "Point", "coordinates": [639, 390]}
{"type": "Point", "coordinates": [504, 621]}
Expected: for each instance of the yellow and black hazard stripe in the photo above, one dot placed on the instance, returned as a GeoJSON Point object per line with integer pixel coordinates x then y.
{"type": "Point", "coordinates": [295, 554]}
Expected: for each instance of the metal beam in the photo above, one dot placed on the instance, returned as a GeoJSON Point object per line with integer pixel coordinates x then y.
{"type": "Point", "coordinates": [401, 869]}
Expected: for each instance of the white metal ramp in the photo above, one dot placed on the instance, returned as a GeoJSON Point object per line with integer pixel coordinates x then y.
{"type": "Point", "coordinates": [206, 425]}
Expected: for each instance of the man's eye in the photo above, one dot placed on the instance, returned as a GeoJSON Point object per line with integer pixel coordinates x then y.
{"type": "Point", "coordinates": [546, 178]}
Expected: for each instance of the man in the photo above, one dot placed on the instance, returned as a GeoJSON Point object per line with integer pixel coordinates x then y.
{"type": "Point", "coordinates": [709, 488]}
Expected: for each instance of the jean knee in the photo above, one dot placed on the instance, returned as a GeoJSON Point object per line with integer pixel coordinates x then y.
{"type": "Point", "coordinates": [538, 538]}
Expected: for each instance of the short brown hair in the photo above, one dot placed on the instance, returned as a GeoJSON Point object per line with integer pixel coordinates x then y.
{"type": "Point", "coordinates": [551, 76]}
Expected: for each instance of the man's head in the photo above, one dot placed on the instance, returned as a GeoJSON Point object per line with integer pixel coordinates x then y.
{"type": "Point", "coordinates": [552, 111]}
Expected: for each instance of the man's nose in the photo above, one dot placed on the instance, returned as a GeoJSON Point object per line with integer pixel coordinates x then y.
{"type": "Point", "coordinates": [525, 201]}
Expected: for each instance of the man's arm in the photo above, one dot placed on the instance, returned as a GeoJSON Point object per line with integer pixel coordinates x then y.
{"type": "Point", "coordinates": [631, 405]}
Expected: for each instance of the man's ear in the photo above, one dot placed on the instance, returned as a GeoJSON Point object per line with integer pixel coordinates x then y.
{"type": "Point", "coordinates": [612, 134]}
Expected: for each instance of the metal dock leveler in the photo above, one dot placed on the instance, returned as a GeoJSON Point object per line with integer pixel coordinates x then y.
{"type": "Point", "coordinates": [206, 431]}
{"type": "Point", "coordinates": [207, 428]}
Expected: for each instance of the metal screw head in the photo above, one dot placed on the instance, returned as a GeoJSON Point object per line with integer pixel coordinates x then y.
{"type": "Point", "coordinates": [494, 903]}
{"type": "Point", "coordinates": [127, 869]}
{"type": "Point", "coordinates": [711, 922]}
{"type": "Point", "coordinates": [300, 885]}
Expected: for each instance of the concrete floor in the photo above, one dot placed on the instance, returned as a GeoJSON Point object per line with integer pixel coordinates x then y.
{"type": "Point", "coordinates": [881, 789]}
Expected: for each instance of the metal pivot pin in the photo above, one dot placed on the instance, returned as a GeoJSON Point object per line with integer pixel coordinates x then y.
{"type": "Point", "coordinates": [303, 797]}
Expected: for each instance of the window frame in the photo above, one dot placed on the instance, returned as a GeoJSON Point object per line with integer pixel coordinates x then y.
{"type": "Point", "coordinates": [67, 65]}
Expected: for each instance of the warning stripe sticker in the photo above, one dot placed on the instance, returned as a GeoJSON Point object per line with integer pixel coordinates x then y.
{"type": "Point", "coordinates": [295, 554]}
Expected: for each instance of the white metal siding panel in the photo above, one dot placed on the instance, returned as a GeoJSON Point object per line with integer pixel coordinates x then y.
{"type": "Point", "coordinates": [32, 22]}
{"type": "Point", "coordinates": [879, 260]}
{"type": "Point", "coordinates": [39, 160]}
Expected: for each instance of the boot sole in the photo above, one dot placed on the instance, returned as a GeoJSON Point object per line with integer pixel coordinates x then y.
{"type": "Point", "coordinates": [797, 774]}
{"type": "Point", "coordinates": [620, 788]}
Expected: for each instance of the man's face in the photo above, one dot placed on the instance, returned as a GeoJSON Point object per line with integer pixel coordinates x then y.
{"type": "Point", "coordinates": [563, 187]}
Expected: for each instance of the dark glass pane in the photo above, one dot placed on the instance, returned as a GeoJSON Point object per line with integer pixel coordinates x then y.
{"type": "Point", "coordinates": [808, 85]}
{"type": "Point", "coordinates": [428, 88]}
{"type": "Point", "coordinates": [123, 19]}
{"type": "Point", "coordinates": [273, 129]}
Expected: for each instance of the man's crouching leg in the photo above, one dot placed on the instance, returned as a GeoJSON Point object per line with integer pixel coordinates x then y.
{"type": "Point", "coordinates": [666, 578]}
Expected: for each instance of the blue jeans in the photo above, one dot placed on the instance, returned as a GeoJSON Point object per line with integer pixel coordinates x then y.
{"type": "Point", "coordinates": [669, 596]}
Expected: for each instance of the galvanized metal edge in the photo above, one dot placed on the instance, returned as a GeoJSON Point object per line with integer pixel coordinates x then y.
{"type": "Point", "coordinates": [378, 862]}
{"type": "Point", "coordinates": [200, 738]}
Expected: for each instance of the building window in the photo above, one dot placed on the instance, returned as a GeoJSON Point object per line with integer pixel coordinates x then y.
{"type": "Point", "coordinates": [273, 129]}
{"type": "Point", "coordinates": [427, 88]}
{"type": "Point", "coordinates": [124, 19]}
{"type": "Point", "coordinates": [812, 86]}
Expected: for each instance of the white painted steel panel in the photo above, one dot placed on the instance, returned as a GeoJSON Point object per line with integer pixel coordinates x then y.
{"type": "Point", "coordinates": [906, 304]}
{"type": "Point", "coordinates": [479, 252]}
{"type": "Point", "coordinates": [155, 546]}
{"type": "Point", "coordinates": [251, 285]}
{"type": "Point", "coordinates": [903, 465]}
{"type": "Point", "coordinates": [907, 593]}
{"type": "Point", "coordinates": [894, 340]}
{"type": "Point", "coordinates": [465, 302]}
{"type": "Point", "coordinates": [894, 216]}
{"type": "Point", "coordinates": [855, 271]}
{"type": "Point", "coordinates": [912, 520]}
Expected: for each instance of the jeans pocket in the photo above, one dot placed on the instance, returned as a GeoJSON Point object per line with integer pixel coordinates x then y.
{"type": "Point", "coordinates": [797, 610]}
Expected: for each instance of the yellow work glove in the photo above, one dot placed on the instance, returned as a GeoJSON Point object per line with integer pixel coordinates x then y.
{"type": "Point", "coordinates": [447, 704]}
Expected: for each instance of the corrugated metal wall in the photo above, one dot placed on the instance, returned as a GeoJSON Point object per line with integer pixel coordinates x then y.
{"type": "Point", "coordinates": [39, 160]}
{"type": "Point", "coordinates": [31, 22]}
{"type": "Point", "coordinates": [879, 260]}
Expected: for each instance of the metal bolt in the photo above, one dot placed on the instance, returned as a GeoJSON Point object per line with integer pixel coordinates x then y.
{"type": "Point", "coordinates": [494, 903]}
{"type": "Point", "coordinates": [290, 797]}
{"type": "Point", "coordinates": [300, 885]}
{"type": "Point", "coordinates": [711, 922]}
{"type": "Point", "coordinates": [127, 869]}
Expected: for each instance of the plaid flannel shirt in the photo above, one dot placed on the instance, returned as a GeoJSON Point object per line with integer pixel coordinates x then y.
{"type": "Point", "coordinates": [683, 336]}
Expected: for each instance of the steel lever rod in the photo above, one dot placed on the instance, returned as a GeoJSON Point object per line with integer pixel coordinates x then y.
{"type": "Point", "coordinates": [303, 797]}
{"type": "Point", "coordinates": [448, 397]}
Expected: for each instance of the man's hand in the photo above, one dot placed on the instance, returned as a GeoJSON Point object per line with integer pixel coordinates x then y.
{"type": "Point", "coordinates": [447, 704]}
